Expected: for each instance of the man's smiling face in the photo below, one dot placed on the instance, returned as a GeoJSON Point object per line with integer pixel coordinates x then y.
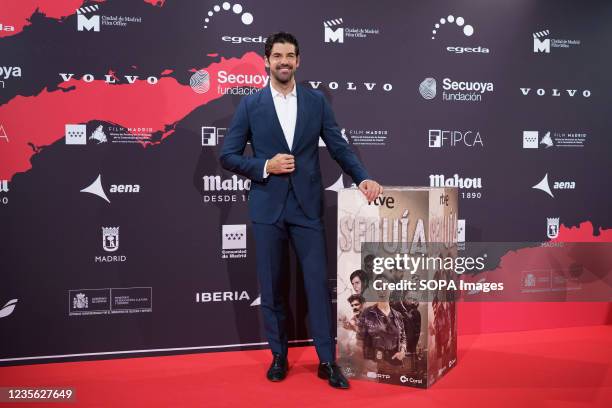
{"type": "Point", "coordinates": [283, 62]}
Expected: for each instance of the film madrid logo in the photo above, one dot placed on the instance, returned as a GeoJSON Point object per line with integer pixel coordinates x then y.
{"type": "Point", "coordinates": [362, 137]}
{"type": "Point", "coordinates": [532, 139]}
{"type": "Point", "coordinates": [97, 189]}
{"type": "Point", "coordinates": [545, 186]}
{"type": "Point", "coordinates": [542, 43]}
{"type": "Point", "coordinates": [110, 244]}
{"type": "Point", "coordinates": [228, 83]}
{"type": "Point", "coordinates": [335, 31]}
{"type": "Point", "coordinates": [233, 241]}
{"type": "Point", "coordinates": [217, 189]}
{"type": "Point", "coordinates": [462, 183]}
{"type": "Point", "coordinates": [456, 91]}
{"type": "Point", "coordinates": [76, 134]}
{"type": "Point", "coordinates": [457, 25]}
{"type": "Point", "coordinates": [438, 138]}
{"type": "Point", "coordinates": [90, 19]}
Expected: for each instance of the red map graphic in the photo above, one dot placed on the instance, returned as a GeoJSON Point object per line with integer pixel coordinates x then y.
{"type": "Point", "coordinates": [41, 119]}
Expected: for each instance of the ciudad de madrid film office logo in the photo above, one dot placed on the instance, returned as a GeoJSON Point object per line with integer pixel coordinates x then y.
{"type": "Point", "coordinates": [89, 18]}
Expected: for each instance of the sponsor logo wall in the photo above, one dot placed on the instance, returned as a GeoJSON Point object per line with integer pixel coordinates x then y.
{"type": "Point", "coordinates": [111, 189]}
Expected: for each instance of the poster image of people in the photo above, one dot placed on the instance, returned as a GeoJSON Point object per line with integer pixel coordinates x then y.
{"type": "Point", "coordinates": [390, 336]}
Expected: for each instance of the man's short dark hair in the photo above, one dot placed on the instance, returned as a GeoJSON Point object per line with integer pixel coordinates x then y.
{"type": "Point", "coordinates": [356, 297]}
{"type": "Point", "coordinates": [281, 37]}
{"type": "Point", "coordinates": [363, 277]}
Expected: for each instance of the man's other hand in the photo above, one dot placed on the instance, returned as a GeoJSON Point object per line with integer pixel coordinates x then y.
{"type": "Point", "coordinates": [370, 189]}
{"type": "Point", "coordinates": [280, 164]}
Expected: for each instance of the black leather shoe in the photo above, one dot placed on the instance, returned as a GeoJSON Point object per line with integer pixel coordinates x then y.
{"type": "Point", "coordinates": [333, 373]}
{"type": "Point", "coordinates": [278, 368]}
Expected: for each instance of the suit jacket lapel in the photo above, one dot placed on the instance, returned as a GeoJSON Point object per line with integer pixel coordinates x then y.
{"type": "Point", "coordinates": [301, 116]}
{"type": "Point", "coordinates": [272, 118]}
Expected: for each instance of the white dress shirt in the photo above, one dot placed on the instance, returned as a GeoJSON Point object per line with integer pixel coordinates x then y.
{"type": "Point", "coordinates": [286, 111]}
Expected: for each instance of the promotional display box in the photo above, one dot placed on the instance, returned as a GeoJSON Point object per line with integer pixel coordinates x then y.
{"type": "Point", "coordinates": [399, 336]}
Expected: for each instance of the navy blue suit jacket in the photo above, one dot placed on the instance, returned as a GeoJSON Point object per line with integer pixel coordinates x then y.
{"type": "Point", "coordinates": [255, 120]}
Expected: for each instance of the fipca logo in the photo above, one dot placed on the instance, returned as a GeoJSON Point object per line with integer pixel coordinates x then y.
{"type": "Point", "coordinates": [542, 43]}
{"type": "Point", "coordinates": [233, 241]}
{"type": "Point", "coordinates": [438, 138]}
{"type": "Point", "coordinates": [456, 91]}
{"type": "Point", "coordinates": [544, 186]}
{"type": "Point", "coordinates": [532, 139]}
{"type": "Point", "coordinates": [556, 92]}
{"type": "Point", "coordinates": [110, 243]}
{"type": "Point", "coordinates": [96, 189]}
{"type": "Point", "coordinates": [457, 24]}
{"type": "Point", "coordinates": [552, 227]}
{"type": "Point", "coordinates": [90, 19]}
{"type": "Point", "coordinates": [245, 17]}
{"type": "Point", "coordinates": [211, 135]}
{"type": "Point", "coordinates": [229, 190]}
{"type": "Point", "coordinates": [334, 31]}
{"type": "Point", "coordinates": [85, 302]}
{"type": "Point", "coordinates": [462, 183]}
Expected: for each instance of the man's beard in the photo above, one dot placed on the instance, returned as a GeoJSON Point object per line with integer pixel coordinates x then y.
{"type": "Point", "coordinates": [281, 79]}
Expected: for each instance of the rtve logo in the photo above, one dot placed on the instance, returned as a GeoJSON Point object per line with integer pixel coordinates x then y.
{"type": "Point", "coordinates": [381, 201]}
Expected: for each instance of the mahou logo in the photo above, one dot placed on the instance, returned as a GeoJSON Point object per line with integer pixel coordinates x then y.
{"type": "Point", "coordinates": [439, 180]}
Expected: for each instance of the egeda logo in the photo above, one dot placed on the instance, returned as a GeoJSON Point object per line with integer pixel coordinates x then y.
{"type": "Point", "coordinates": [456, 91]}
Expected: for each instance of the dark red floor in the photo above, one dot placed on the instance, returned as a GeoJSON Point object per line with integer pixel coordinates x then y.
{"type": "Point", "coordinates": [559, 368]}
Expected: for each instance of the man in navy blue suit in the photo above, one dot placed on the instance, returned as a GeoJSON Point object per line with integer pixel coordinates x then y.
{"type": "Point", "coordinates": [283, 122]}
